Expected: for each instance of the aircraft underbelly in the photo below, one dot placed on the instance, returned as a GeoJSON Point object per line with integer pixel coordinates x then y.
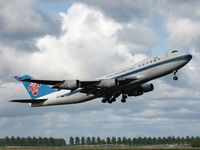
{"type": "Point", "coordinates": [71, 99]}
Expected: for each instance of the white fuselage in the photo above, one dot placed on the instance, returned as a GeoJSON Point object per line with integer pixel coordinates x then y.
{"type": "Point", "coordinates": [146, 70]}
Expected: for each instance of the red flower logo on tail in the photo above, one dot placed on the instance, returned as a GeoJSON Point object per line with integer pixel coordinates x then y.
{"type": "Point", "coordinates": [33, 87]}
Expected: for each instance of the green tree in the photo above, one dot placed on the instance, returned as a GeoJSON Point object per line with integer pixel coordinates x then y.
{"type": "Point", "coordinates": [149, 141]}
{"type": "Point", "coordinates": [93, 141]}
{"type": "Point", "coordinates": [129, 141]}
{"type": "Point", "coordinates": [108, 141]}
{"type": "Point", "coordinates": [82, 140]}
{"type": "Point", "coordinates": [114, 141]}
{"type": "Point", "coordinates": [12, 141]}
{"type": "Point", "coordinates": [34, 141]}
{"type": "Point", "coordinates": [45, 142]}
{"type": "Point", "coordinates": [140, 141]}
{"type": "Point", "coordinates": [144, 140]}
{"type": "Point", "coordinates": [71, 141]}
{"type": "Point", "coordinates": [119, 140]}
{"type": "Point", "coordinates": [7, 141]}
{"type": "Point", "coordinates": [88, 141]}
{"type": "Point", "coordinates": [103, 141]}
{"type": "Point", "coordinates": [159, 140]}
{"type": "Point", "coordinates": [98, 141]}
{"type": "Point", "coordinates": [183, 140]}
{"type": "Point", "coordinates": [124, 140]}
{"type": "Point", "coordinates": [173, 140]}
{"type": "Point", "coordinates": [178, 140]}
{"type": "Point", "coordinates": [154, 141]}
{"type": "Point", "coordinates": [134, 141]}
{"type": "Point", "coordinates": [77, 140]}
{"type": "Point", "coordinates": [50, 141]}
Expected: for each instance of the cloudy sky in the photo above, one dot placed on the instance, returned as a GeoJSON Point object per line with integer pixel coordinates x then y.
{"type": "Point", "coordinates": [85, 39]}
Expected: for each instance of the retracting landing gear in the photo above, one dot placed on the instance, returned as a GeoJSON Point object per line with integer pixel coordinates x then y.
{"type": "Point", "coordinates": [124, 97]}
{"type": "Point", "coordinates": [174, 75]}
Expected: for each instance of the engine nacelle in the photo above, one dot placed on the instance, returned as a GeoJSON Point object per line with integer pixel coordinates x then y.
{"type": "Point", "coordinates": [135, 93]}
{"type": "Point", "coordinates": [108, 83]}
{"type": "Point", "coordinates": [141, 89]}
{"type": "Point", "coordinates": [70, 84]}
{"type": "Point", "coordinates": [147, 87]}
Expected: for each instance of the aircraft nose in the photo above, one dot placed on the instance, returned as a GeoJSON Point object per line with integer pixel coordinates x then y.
{"type": "Point", "coordinates": [189, 57]}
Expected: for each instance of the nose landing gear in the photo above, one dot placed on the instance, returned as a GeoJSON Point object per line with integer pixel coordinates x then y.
{"type": "Point", "coordinates": [124, 97]}
{"type": "Point", "coordinates": [175, 76]}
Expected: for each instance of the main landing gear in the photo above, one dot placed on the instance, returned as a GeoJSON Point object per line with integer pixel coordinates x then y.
{"type": "Point", "coordinates": [108, 99]}
{"type": "Point", "coordinates": [112, 99]}
{"type": "Point", "coordinates": [174, 75]}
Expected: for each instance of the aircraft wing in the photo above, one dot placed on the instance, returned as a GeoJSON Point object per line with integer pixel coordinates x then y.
{"type": "Point", "coordinates": [47, 82]}
{"type": "Point", "coordinates": [89, 86]}
{"type": "Point", "coordinates": [61, 84]}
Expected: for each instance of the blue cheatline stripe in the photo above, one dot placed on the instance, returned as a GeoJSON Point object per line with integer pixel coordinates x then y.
{"type": "Point", "coordinates": [180, 58]}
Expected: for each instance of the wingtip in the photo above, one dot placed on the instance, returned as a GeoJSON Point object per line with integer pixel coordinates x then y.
{"type": "Point", "coordinates": [17, 78]}
{"type": "Point", "coordinates": [22, 78]}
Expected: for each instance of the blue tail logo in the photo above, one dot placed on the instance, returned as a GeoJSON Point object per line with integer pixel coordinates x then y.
{"type": "Point", "coordinates": [35, 90]}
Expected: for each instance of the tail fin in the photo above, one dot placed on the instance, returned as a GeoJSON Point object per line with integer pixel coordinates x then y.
{"type": "Point", "coordinates": [35, 90]}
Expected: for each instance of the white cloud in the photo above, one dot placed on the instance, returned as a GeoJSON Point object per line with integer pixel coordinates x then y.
{"type": "Point", "coordinates": [88, 42]}
{"type": "Point", "coordinates": [183, 32]}
{"type": "Point", "coordinates": [138, 37]}
{"type": "Point", "coordinates": [51, 120]}
{"type": "Point", "coordinates": [22, 19]}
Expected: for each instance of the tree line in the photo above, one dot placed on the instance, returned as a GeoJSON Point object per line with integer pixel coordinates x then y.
{"type": "Point", "coordinates": [32, 141]}
{"type": "Point", "coordinates": [73, 141]}
{"type": "Point", "coordinates": [139, 141]}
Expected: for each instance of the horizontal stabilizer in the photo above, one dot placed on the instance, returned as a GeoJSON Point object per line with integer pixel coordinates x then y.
{"type": "Point", "coordinates": [28, 100]}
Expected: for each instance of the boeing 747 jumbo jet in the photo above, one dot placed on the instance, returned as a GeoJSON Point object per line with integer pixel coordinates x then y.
{"type": "Point", "coordinates": [131, 81]}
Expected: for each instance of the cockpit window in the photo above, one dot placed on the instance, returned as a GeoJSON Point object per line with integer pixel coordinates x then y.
{"type": "Point", "coordinates": [174, 51]}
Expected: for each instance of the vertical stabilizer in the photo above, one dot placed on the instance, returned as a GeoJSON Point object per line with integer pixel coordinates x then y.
{"type": "Point", "coordinates": [35, 90]}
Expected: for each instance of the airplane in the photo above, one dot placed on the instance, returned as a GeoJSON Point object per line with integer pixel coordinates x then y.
{"type": "Point", "coordinates": [131, 81]}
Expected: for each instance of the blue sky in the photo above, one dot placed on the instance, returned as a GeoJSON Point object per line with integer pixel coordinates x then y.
{"type": "Point", "coordinates": [86, 39]}
{"type": "Point", "coordinates": [54, 7]}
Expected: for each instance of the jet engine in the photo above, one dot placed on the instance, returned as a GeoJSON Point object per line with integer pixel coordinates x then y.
{"type": "Point", "coordinates": [148, 87]}
{"type": "Point", "coordinates": [108, 83]}
{"type": "Point", "coordinates": [141, 90]}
